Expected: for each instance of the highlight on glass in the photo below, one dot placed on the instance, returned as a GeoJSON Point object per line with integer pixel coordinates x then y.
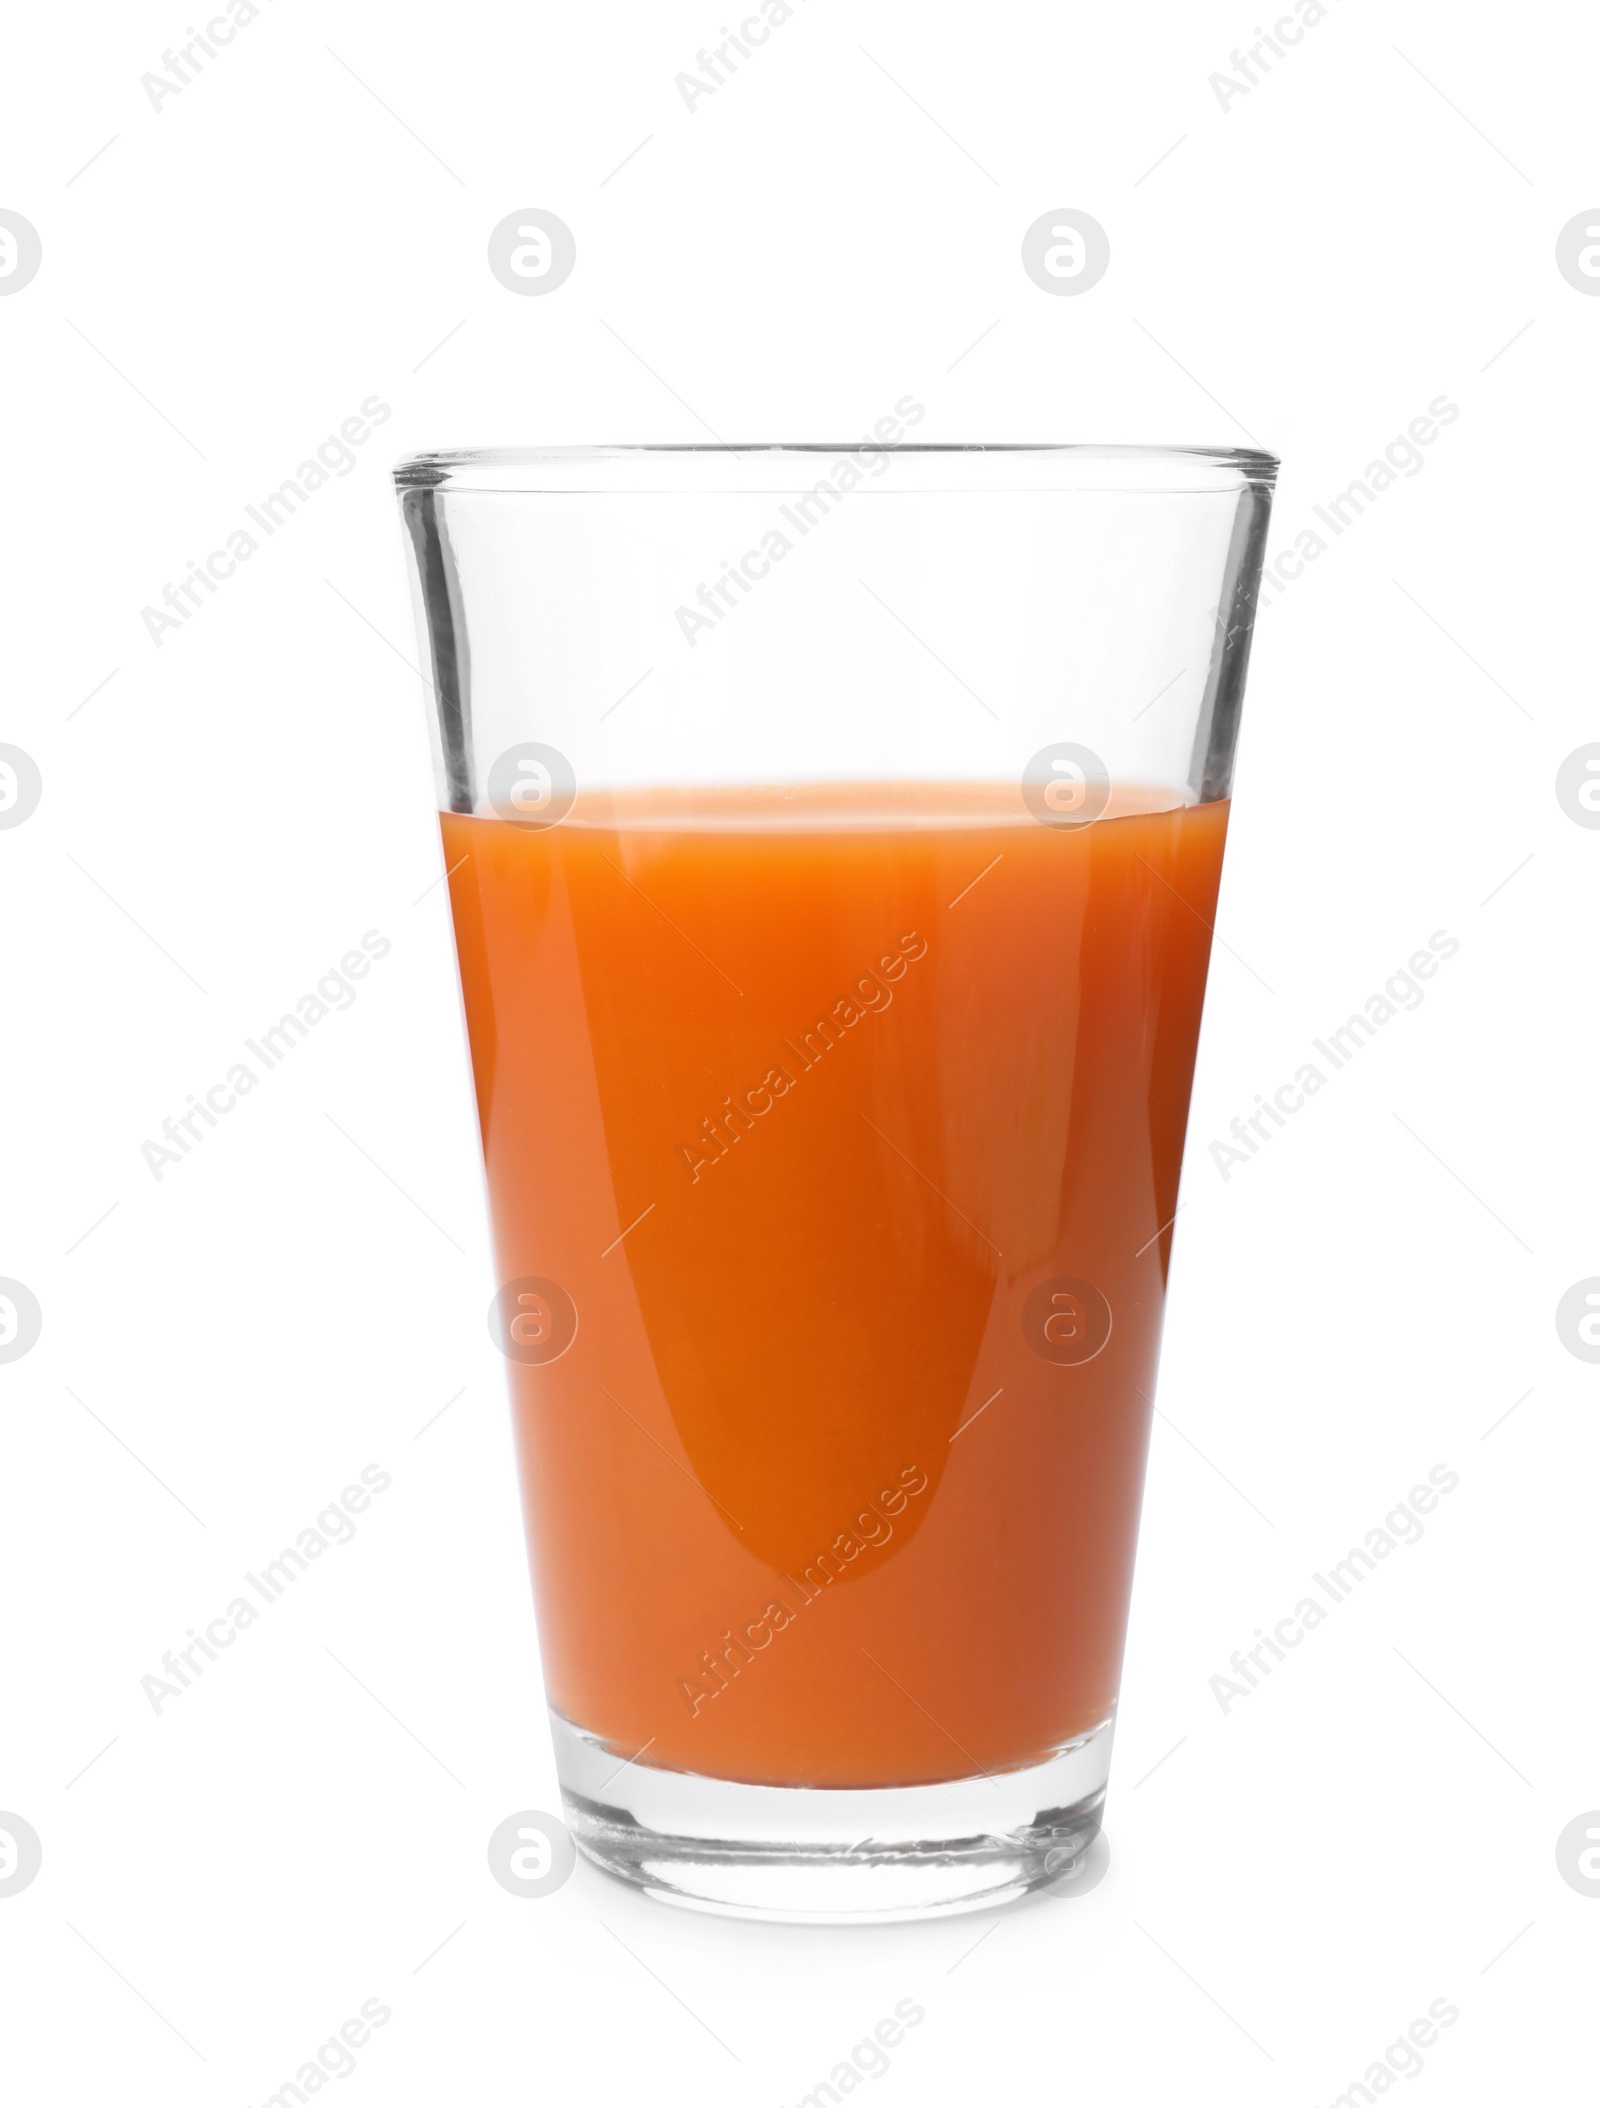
{"type": "Point", "coordinates": [834, 838]}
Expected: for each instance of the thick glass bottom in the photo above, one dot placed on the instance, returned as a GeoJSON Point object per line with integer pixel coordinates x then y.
{"type": "Point", "coordinates": [832, 1855]}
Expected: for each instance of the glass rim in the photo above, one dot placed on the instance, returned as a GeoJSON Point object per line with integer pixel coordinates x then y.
{"type": "Point", "coordinates": [925, 467]}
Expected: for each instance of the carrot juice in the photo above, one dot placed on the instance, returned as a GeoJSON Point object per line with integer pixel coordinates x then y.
{"type": "Point", "coordinates": [833, 1141]}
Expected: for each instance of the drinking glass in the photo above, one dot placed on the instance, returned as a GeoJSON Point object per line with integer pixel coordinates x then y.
{"type": "Point", "coordinates": [834, 837]}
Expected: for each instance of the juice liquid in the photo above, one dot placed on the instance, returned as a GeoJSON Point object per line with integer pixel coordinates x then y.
{"type": "Point", "coordinates": [845, 1126]}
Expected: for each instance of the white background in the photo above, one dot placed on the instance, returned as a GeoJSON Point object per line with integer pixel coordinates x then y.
{"type": "Point", "coordinates": [1371, 226]}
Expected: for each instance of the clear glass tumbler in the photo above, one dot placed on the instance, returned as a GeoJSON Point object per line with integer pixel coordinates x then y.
{"type": "Point", "coordinates": [834, 836]}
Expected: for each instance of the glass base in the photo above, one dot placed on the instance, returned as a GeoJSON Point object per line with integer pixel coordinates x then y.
{"type": "Point", "coordinates": [832, 1855]}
